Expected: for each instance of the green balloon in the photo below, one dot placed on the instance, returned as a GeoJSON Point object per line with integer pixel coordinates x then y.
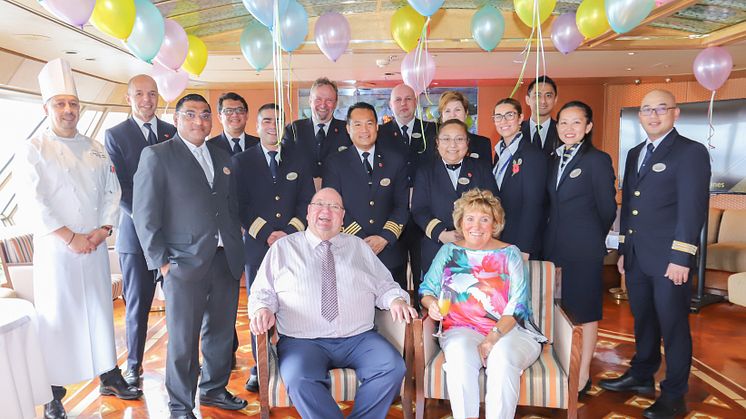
{"type": "Point", "coordinates": [256, 45]}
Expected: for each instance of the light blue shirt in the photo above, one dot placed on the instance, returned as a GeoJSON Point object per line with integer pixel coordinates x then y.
{"type": "Point", "coordinates": [644, 150]}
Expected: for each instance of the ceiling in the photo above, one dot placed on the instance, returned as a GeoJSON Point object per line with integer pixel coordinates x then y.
{"type": "Point", "coordinates": [663, 46]}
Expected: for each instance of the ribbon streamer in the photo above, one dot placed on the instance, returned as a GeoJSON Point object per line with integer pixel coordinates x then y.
{"type": "Point", "coordinates": [709, 124]}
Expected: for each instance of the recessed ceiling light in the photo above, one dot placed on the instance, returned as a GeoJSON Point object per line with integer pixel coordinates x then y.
{"type": "Point", "coordinates": [70, 52]}
{"type": "Point", "coordinates": [629, 68]}
{"type": "Point", "coordinates": [236, 58]}
{"type": "Point", "coordinates": [630, 53]}
{"type": "Point", "coordinates": [668, 80]}
{"type": "Point", "coordinates": [90, 59]}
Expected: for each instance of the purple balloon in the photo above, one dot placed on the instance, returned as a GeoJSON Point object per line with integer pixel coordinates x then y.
{"type": "Point", "coordinates": [418, 75]}
{"type": "Point", "coordinates": [712, 67]}
{"type": "Point", "coordinates": [74, 12]}
{"type": "Point", "coordinates": [565, 34]}
{"type": "Point", "coordinates": [332, 34]}
{"type": "Point", "coordinates": [170, 83]}
{"type": "Point", "coordinates": [175, 46]}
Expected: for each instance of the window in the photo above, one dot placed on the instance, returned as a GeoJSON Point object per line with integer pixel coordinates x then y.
{"type": "Point", "coordinates": [110, 119]}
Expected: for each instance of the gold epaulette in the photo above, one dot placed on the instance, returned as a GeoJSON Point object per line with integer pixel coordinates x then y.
{"type": "Point", "coordinates": [352, 229]}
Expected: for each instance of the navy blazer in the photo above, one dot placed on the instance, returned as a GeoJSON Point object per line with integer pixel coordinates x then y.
{"type": "Point", "coordinates": [665, 205]}
{"type": "Point", "coordinates": [266, 205]}
{"type": "Point", "coordinates": [299, 138]}
{"type": "Point", "coordinates": [380, 208]}
{"type": "Point", "coordinates": [419, 151]}
{"type": "Point", "coordinates": [226, 144]}
{"type": "Point", "coordinates": [433, 198]}
{"type": "Point", "coordinates": [582, 207]}
{"type": "Point", "coordinates": [550, 143]}
{"type": "Point", "coordinates": [124, 142]}
{"type": "Point", "coordinates": [480, 148]}
{"type": "Point", "coordinates": [523, 197]}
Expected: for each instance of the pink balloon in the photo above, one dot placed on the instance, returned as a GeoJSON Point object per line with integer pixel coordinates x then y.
{"type": "Point", "coordinates": [332, 34]}
{"type": "Point", "coordinates": [74, 12]}
{"type": "Point", "coordinates": [659, 3]}
{"type": "Point", "coordinates": [565, 34]}
{"type": "Point", "coordinates": [175, 46]}
{"type": "Point", "coordinates": [170, 83]}
{"type": "Point", "coordinates": [418, 74]}
{"type": "Point", "coordinates": [712, 67]}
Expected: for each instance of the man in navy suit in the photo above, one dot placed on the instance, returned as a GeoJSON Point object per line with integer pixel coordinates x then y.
{"type": "Point", "coordinates": [124, 143]}
{"type": "Point", "coordinates": [316, 138]}
{"type": "Point", "coordinates": [233, 111]}
{"type": "Point", "coordinates": [273, 194]}
{"type": "Point", "coordinates": [405, 134]}
{"type": "Point", "coordinates": [664, 205]}
{"type": "Point", "coordinates": [373, 184]}
{"type": "Point", "coordinates": [541, 97]}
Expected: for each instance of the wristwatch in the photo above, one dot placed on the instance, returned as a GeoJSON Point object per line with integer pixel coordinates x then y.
{"type": "Point", "coordinates": [497, 330]}
{"type": "Point", "coordinates": [108, 229]}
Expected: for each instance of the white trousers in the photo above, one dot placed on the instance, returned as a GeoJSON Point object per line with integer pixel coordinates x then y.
{"type": "Point", "coordinates": [512, 353]}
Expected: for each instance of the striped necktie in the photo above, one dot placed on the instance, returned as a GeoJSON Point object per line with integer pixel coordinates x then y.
{"type": "Point", "coordinates": [329, 303]}
{"type": "Point", "coordinates": [567, 154]}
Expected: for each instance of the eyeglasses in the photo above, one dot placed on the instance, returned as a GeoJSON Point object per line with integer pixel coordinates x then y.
{"type": "Point", "coordinates": [231, 111]}
{"type": "Point", "coordinates": [457, 140]}
{"type": "Point", "coordinates": [509, 116]}
{"type": "Point", "coordinates": [332, 207]}
{"type": "Point", "coordinates": [659, 110]}
{"type": "Point", "coordinates": [190, 115]}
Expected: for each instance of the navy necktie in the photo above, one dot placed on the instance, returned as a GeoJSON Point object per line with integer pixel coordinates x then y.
{"type": "Point", "coordinates": [405, 134]}
{"type": "Point", "coordinates": [502, 147]}
{"type": "Point", "coordinates": [537, 136]}
{"type": "Point", "coordinates": [152, 140]}
{"type": "Point", "coordinates": [648, 156]}
{"type": "Point", "coordinates": [368, 167]}
{"type": "Point", "coordinates": [320, 137]}
{"type": "Point", "coordinates": [236, 145]}
{"type": "Point", "coordinates": [273, 167]}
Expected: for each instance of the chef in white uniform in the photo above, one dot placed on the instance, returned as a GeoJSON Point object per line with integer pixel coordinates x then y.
{"type": "Point", "coordinates": [70, 196]}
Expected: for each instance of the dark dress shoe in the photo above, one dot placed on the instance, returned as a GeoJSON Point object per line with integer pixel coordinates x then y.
{"type": "Point", "coordinates": [223, 400]}
{"type": "Point", "coordinates": [113, 384]}
{"type": "Point", "coordinates": [189, 415]}
{"type": "Point", "coordinates": [665, 408]}
{"type": "Point", "coordinates": [585, 388]}
{"type": "Point", "coordinates": [252, 384]}
{"type": "Point", "coordinates": [54, 410]}
{"type": "Point", "coordinates": [132, 376]}
{"type": "Point", "coordinates": [628, 383]}
{"type": "Point", "coordinates": [233, 362]}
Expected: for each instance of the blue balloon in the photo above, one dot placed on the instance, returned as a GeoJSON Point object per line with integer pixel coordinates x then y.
{"type": "Point", "coordinates": [256, 45]}
{"type": "Point", "coordinates": [487, 27]}
{"type": "Point", "coordinates": [293, 26]}
{"type": "Point", "coordinates": [426, 8]}
{"type": "Point", "coordinates": [148, 33]}
{"type": "Point", "coordinates": [263, 10]}
{"type": "Point", "coordinates": [625, 15]}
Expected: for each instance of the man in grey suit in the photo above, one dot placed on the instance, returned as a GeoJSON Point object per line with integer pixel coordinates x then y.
{"type": "Point", "coordinates": [186, 217]}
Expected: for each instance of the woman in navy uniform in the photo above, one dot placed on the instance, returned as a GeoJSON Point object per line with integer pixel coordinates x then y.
{"type": "Point", "coordinates": [454, 105]}
{"type": "Point", "coordinates": [441, 182]}
{"type": "Point", "coordinates": [521, 174]}
{"type": "Point", "coordinates": [582, 207]}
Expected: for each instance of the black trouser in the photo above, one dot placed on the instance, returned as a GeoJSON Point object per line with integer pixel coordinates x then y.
{"type": "Point", "coordinates": [411, 239]}
{"type": "Point", "coordinates": [138, 287]}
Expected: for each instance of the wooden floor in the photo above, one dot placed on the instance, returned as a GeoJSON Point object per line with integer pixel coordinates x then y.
{"type": "Point", "coordinates": [717, 383]}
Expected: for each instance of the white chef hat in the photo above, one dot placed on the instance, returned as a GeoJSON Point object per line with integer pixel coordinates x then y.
{"type": "Point", "coordinates": [56, 78]}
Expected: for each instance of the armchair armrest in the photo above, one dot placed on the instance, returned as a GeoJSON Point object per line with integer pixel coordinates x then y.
{"type": "Point", "coordinates": [393, 331]}
{"type": "Point", "coordinates": [22, 275]}
{"type": "Point", "coordinates": [568, 345]}
{"type": "Point", "coordinates": [262, 365]}
{"type": "Point", "coordinates": [425, 348]}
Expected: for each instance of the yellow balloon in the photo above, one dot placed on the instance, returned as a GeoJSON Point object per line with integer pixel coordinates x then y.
{"type": "Point", "coordinates": [406, 27]}
{"type": "Point", "coordinates": [196, 58]}
{"type": "Point", "coordinates": [591, 18]}
{"type": "Point", "coordinates": [525, 10]}
{"type": "Point", "coordinates": [114, 17]}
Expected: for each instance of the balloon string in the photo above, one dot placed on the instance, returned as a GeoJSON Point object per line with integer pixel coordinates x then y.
{"type": "Point", "coordinates": [277, 81]}
{"type": "Point", "coordinates": [709, 123]}
{"type": "Point", "coordinates": [536, 20]}
{"type": "Point", "coordinates": [422, 46]}
{"type": "Point", "coordinates": [525, 54]}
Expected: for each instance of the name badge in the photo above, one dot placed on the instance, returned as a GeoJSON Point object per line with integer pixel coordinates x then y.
{"type": "Point", "coordinates": [416, 135]}
{"type": "Point", "coordinates": [575, 173]}
{"type": "Point", "coordinates": [226, 170]}
{"type": "Point", "coordinates": [463, 181]}
{"type": "Point", "coordinates": [342, 148]}
{"type": "Point", "coordinates": [659, 167]}
{"type": "Point", "coordinates": [385, 181]}
{"type": "Point", "coordinates": [291, 176]}
{"type": "Point", "coordinates": [474, 155]}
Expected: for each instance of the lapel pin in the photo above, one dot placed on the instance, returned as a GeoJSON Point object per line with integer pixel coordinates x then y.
{"type": "Point", "coordinates": [226, 170]}
{"type": "Point", "coordinates": [463, 181]}
{"type": "Point", "coordinates": [575, 173]}
{"type": "Point", "coordinates": [659, 167]}
{"type": "Point", "coordinates": [385, 181]}
{"type": "Point", "coordinates": [291, 176]}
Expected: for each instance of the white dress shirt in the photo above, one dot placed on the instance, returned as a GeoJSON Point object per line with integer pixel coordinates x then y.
{"type": "Point", "coordinates": [644, 150]}
{"type": "Point", "coordinates": [505, 157]}
{"type": "Point", "coordinates": [372, 152]}
{"type": "Point", "coordinates": [560, 151]}
{"type": "Point", "coordinates": [266, 151]}
{"type": "Point", "coordinates": [202, 154]}
{"type": "Point", "coordinates": [241, 140]}
{"type": "Point", "coordinates": [453, 174]}
{"type": "Point", "coordinates": [153, 126]}
{"type": "Point", "coordinates": [316, 128]}
{"type": "Point", "coordinates": [288, 283]}
{"type": "Point", "coordinates": [544, 129]}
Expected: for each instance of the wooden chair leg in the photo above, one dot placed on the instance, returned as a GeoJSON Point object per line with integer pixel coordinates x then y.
{"type": "Point", "coordinates": [574, 373]}
{"type": "Point", "coordinates": [406, 401]}
{"type": "Point", "coordinates": [419, 369]}
{"type": "Point", "coordinates": [262, 364]}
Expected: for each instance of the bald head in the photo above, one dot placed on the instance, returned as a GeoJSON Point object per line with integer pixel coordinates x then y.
{"type": "Point", "coordinates": [325, 213]}
{"type": "Point", "coordinates": [660, 95]}
{"type": "Point", "coordinates": [403, 102]}
{"type": "Point", "coordinates": [658, 113]}
{"type": "Point", "coordinates": [142, 96]}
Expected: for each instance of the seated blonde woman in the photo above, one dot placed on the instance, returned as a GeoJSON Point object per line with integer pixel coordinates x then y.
{"type": "Point", "coordinates": [488, 324]}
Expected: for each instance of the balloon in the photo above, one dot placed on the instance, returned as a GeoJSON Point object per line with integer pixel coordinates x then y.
{"type": "Point", "coordinates": [625, 15]}
{"type": "Point", "coordinates": [418, 75]}
{"type": "Point", "coordinates": [175, 46]}
{"type": "Point", "coordinates": [525, 10]}
{"type": "Point", "coordinates": [114, 17]}
{"type": "Point", "coordinates": [263, 10]}
{"type": "Point", "coordinates": [170, 83]}
{"type": "Point", "coordinates": [565, 34]}
{"type": "Point", "coordinates": [712, 67]}
{"type": "Point", "coordinates": [147, 34]}
{"type": "Point", "coordinates": [74, 12]}
{"type": "Point", "coordinates": [256, 45]}
{"type": "Point", "coordinates": [488, 27]}
{"type": "Point", "coordinates": [293, 26]}
{"type": "Point", "coordinates": [591, 18]}
{"type": "Point", "coordinates": [406, 27]}
{"type": "Point", "coordinates": [332, 34]}
{"type": "Point", "coordinates": [426, 7]}
{"type": "Point", "coordinates": [196, 58]}
{"type": "Point", "coordinates": [659, 3]}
